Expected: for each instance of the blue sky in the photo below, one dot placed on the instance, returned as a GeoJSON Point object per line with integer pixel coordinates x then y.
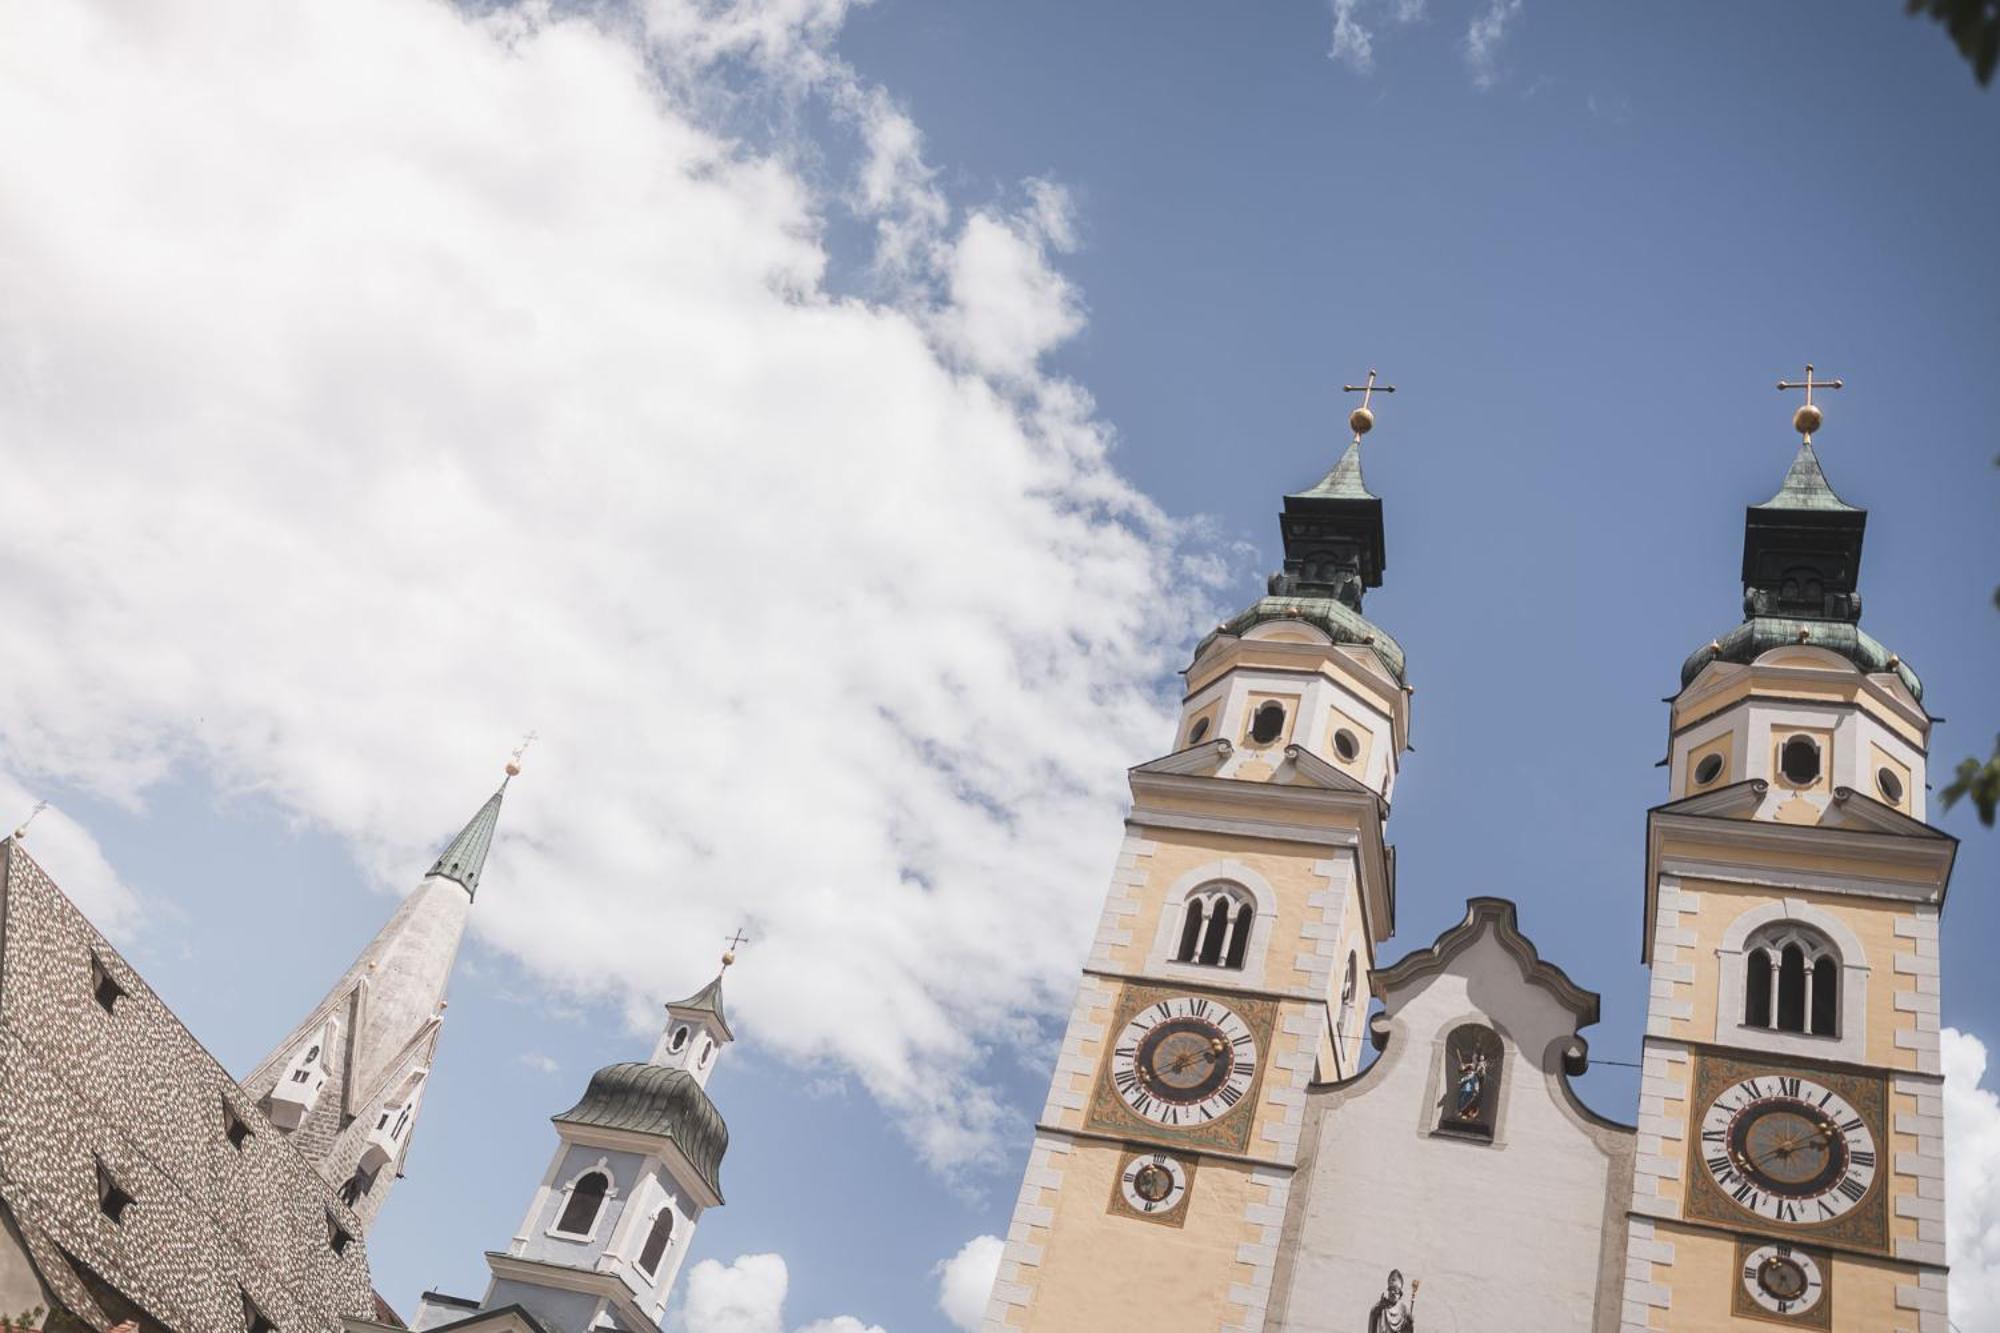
{"type": "Point", "coordinates": [1584, 261]}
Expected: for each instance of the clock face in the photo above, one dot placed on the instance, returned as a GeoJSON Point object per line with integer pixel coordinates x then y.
{"type": "Point", "coordinates": [1788, 1149]}
{"type": "Point", "coordinates": [1783, 1280]}
{"type": "Point", "coordinates": [1153, 1183]}
{"type": "Point", "coordinates": [1184, 1061]}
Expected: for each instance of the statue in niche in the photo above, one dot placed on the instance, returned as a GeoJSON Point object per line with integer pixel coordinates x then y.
{"type": "Point", "coordinates": [1394, 1313]}
{"type": "Point", "coordinates": [1471, 1075]}
{"type": "Point", "coordinates": [1471, 1085]}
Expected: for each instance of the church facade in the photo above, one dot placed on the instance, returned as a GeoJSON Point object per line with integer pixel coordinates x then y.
{"type": "Point", "coordinates": [1216, 1152]}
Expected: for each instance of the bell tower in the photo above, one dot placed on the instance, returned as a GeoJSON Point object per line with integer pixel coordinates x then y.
{"type": "Point", "coordinates": [1790, 1164]}
{"type": "Point", "coordinates": [1230, 966]}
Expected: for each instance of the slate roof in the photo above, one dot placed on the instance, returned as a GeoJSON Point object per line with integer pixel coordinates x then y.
{"type": "Point", "coordinates": [1805, 486]}
{"type": "Point", "coordinates": [465, 859]}
{"type": "Point", "coordinates": [708, 1000]}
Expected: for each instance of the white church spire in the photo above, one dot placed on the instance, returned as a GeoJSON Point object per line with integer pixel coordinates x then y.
{"type": "Point", "coordinates": [347, 1082]}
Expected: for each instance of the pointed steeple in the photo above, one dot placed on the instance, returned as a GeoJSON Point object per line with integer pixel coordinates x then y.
{"type": "Point", "coordinates": [1802, 548]}
{"type": "Point", "coordinates": [1343, 481]}
{"type": "Point", "coordinates": [706, 1001]}
{"type": "Point", "coordinates": [347, 1082]}
{"type": "Point", "coordinates": [1805, 486]}
{"type": "Point", "coordinates": [465, 859]}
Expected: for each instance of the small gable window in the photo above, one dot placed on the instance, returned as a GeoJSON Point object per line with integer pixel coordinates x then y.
{"type": "Point", "coordinates": [1215, 930]}
{"type": "Point", "coordinates": [1268, 722]}
{"type": "Point", "coordinates": [337, 1237]}
{"type": "Point", "coordinates": [104, 986]}
{"type": "Point", "coordinates": [1791, 981]}
{"type": "Point", "coordinates": [1471, 1081]}
{"type": "Point", "coordinates": [234, 1127]}
{"type": "Point", "coordinates": [112, 1199]}
{"type": "Point", "coordinates": [586, 1197]}
{"type": "Point", "coordinates": [657, 1239]}
{"type": "Point", "coordinates": [254, 1319]}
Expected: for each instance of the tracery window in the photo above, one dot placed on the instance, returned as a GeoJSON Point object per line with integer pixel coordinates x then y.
{"type": "Point", "coordinates": [586, 1196]}
{"type": "Point", "coordinates": [1791, 981]}
{"type": "Point", "coordinates": [1215, 932]}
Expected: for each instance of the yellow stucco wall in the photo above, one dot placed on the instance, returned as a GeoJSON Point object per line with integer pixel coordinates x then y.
{"type": "Point", "coordinates": [1703, 1278]}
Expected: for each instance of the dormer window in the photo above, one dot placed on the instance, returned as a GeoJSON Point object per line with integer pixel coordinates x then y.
{"type": "Point", "coordinates": [337, 1237]}
{"type": "Point", "coordinates": [1215, 930]}
{"type": "Point", "coordinates": [235, 1129]}
{"type": "Point", "coordinates": [1791, 982]}
{"type": "Point", "coordinates": [293, 1097]}
{"type": "Point", "coordinates": [112, 1199]}
{"type": "Point", "coordinates": [657, 1239]}
{"type": "Point", "coordinates": [1268, 723]}
{"type": "Point", "coordinates": [103, 986]}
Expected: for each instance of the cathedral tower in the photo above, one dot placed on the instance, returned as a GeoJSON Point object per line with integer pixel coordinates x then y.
{"type": "Point", "coordinates": [1790, 1164]}
{"type": "Point", "coordinates": [637, 1162]}
{"type": "Point", "coordinates": [346, 1084]}
{"type": "Point", "coordinates": [1231, 965]}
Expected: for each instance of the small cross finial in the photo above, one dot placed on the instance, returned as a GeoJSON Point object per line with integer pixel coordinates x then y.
{"type": "Point", "coordinates": [1362, 419]}
{"type": "Point", "coordinates": [22, 831]}
{"type": "Point", "coordinates": [1808, 418]}
{"type": "Point", "coordinates": [736, 941]}
{"type": "Point", "coordinates": [514, 760]}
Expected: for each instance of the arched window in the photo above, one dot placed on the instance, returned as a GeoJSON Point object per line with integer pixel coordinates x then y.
{"type": "Point", "coordinates": [1798, 761]}
{"type": "Point", "coordinates": [586, 1196]}
{"type": "Point", "coordinates": [656, 1242]}
{"type": "Point", "coordinates": [1791, 981]}
{"type": "Point", "coordinates": [1216, 929]}
{"type": "Point", "coordinates": [1267, 722]}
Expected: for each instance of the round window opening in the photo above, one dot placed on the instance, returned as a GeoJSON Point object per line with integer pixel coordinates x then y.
{"type": "Point", "coordinates": [1889, 785]}
{"type": "Point", "coordinates": [1269, 721]}
{"type": "Point", "coordinates": [680, 1040]}
{"type": "Point", "coordinates": [1345, 745]}
{"type": "Point", "coordinates": [1799, 761]}
{"type": "Point", "coordinates": [1198, 730]}
{"type": "Point", "coordinates": [1708, 770]}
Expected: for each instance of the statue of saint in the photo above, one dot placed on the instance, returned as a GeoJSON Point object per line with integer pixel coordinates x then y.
{"type": "Point", "coordinates": [1393, 1314]}
{"type": "Point", "coordinates": [1471, 1084]}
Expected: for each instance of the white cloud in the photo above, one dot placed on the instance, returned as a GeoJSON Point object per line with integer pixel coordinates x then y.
{"type": "Point", "coordinates": [538, 1062]}
{"type": "Point", "coordinates": [966, 1280]}
{"type": "Point", "coordinates": [71, 856]}
{"type": "Point", "coordinates": [399, 378]}
{"type": "Point", "coordinates": [1972, 1182]}
{"type": "Point", "coordinates": [748, 1296]}
{"type": "Point", "coordinates": [1483, 37]}
{"type": "Point", "coordinates": [1354, 41]}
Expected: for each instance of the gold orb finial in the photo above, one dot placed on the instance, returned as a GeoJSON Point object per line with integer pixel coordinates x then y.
{"type": "Point", "coordinates": [729, 957]}
{"type": "Point", "coordinates": [514, 760]}
{"type": "Point", "coordinates": [21, 832]}
{"type": "Point", "coordinates": [1360, 421]}
{"type": "Point", "coordinates": [1808, 418]}
{"type": "Point", "coordinates": [736, 941]}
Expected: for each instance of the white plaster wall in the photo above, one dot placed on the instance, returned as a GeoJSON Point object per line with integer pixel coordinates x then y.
{"type": "Point", "coordinates": [1502, 1236]}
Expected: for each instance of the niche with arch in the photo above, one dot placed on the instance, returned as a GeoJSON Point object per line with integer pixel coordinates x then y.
{"type": "Point", "coordinates": [1470, 1078]}
{"type": "Point", "coordinates": [1791, 981]}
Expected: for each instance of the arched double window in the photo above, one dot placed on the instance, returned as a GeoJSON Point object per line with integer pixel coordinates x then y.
{"type": "Point", "coordinates": [1215, 932]}
{"type": "Point", "coordinates": [655, 1247]}
{"type": "Point", "coordinates": [586, 1196]}
{"type": "Point", "coordinates": [1791, 981]}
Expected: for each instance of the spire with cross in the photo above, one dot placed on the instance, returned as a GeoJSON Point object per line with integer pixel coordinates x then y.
{"type": "Point", "coordinates": [1808, 418]}
{"type": "Point", "coordinates": [1333, 531]}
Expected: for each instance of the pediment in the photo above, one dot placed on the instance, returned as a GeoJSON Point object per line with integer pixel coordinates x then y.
{"type": "Point", "coordinates": [1300, 768]}
{"type": "Point", "coordinates": [1850, 810]}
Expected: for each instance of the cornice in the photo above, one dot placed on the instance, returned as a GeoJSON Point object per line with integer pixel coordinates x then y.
{"type": "Point", "coordinates": [589, 1281]}
{"type": "Point", "coordinates": [1097, 1136]}
{"type": "Point", "coordinates": [1483, 916]}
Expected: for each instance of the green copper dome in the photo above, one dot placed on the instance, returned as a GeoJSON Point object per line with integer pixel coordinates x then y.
{"type": "Point", "coordinates": [1759, 635]}
{"type": "Point", "coordinates": [1336, 619]}
{"type": "Point", "coordinates": [653, 1099]}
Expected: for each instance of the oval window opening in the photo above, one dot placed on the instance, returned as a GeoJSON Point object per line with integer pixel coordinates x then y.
{"type": "Point", "coordinates": [1270, 721]}
{"type": "Point", "coordinates": [1345, 745]}
{"type": "Point", "coordinates": [1799, 761]}
{"type": "Point", "coordinates": [1198, 730]}
{"type": "Point", "coordinates": [1708, 770]}
{"type": "Point", "coordinates": [1889, 785]}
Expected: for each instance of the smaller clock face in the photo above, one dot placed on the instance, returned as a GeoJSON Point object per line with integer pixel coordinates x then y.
{"type": "Point", "coordinates": [1788, 1149]}
{"type": "Point", "coordinates": [1153, 1183]}
{"type": "Point", "coordinates": [1783, 1280]}
{"type": "Point", "coordinates": [1184, 1061]}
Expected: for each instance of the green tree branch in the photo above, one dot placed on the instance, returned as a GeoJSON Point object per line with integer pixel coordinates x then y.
{"type": "Point", "coordinates": [1975, 26]}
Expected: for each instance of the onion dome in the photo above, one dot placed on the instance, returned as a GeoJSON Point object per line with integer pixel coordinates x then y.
{"type": "Point", "coordinates": [653, 1099]}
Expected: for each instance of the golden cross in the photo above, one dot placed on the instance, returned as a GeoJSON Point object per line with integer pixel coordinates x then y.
{"type": "Point", "coordinates": [1361, 420]}
{"type": "Point", "coordinates": [526, 741]}
{"type": "Point", "coordinates": [1809, 384]}
{"type": "Point", "coordinates": [1807, 419]}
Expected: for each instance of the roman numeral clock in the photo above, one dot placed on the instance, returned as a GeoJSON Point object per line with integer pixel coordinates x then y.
{"type": "Point", "coordinates": [1789, 1158]}
{"type": "Point", "coordinates": [1182, 1072]}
